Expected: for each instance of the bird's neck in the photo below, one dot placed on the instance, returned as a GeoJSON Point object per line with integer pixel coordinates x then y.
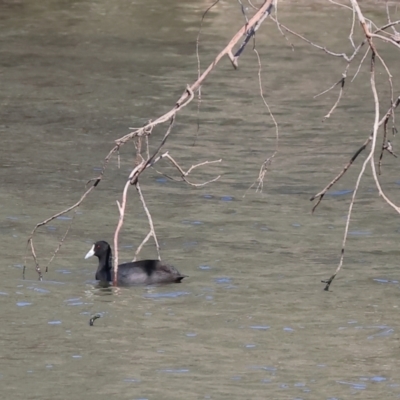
{"type": "Point", "coordinates": [103, 272]}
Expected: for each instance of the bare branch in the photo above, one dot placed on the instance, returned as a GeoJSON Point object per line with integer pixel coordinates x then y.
{"type": "Point", "coordinates": [339, 96]}
{"type": "Point", "coordinates": [264, 167]}
{"type": "Point", "coordinates": [372, 139]}
{"type": "Point", "coordinates": [60, 243]}
{"type": "Point", "coordinates": [46, 221]}
{"type": "Point", "coordinates": [342, 55]}
{"type": "Point", "coordinates": [360, 64]}
{"type": "Point", "coordinates": [250, 32]}
{"type": "Point", "coordinates": [322, 193]}
{"type": "Point", "coordinates": [146, 130]}
{"type": "Point", "coordinates": [369, 158]}
{"type": "Point", "coordinates": [185, 174]}
{"type": "Point", "coordinates": [152, 232]}
{"type": "Point", "coordinates": [121, 208]}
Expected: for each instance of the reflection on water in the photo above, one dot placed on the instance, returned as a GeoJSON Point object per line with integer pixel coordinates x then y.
{"type": "Point", "coordinates": [252, 317]}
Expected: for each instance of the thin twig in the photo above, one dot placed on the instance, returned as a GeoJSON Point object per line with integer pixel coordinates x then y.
{"type": "Point", "coordinates": [341, 82]}
{"type": "Point", "coordinates": [199, 66]}
{"type": "Point", "coordinates": [46, 221]}
{"type": "Point", "coordinates": [342, 55]}
{"type": "Point", "coordinates": [322, 193]}
{"type": "Point", "coordinates": [360, 175]}
{"type": "Point", "coordinates": [121, 209]}
{"type": "Point", "coordinates": [185, 174]}
{"type": "Point", "coordinates": [152, 231]}
{"type": "Point", "coordinates": [264, 167]}
{"type": "Point", "coordinates": [60, 243]}
{"type": "Point", "coordinates": [276, 19]}
{"type": "Point", "coordinates": [360, 64]}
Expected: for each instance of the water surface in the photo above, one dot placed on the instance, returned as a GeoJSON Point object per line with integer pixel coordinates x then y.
{"type": "Point", "coordinates": [251, 321]}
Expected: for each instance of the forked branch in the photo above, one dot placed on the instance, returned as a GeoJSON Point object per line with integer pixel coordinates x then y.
{"type": "Point", "coordinates": [145, 131]}
{"type": "Point", "coordinates": [370, 159]}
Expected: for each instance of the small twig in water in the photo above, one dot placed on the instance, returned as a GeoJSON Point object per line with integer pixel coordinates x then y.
{"type": "Point", "coordinates": [92, 319]}
{"type": "Point", "coordinates": [60, 243]}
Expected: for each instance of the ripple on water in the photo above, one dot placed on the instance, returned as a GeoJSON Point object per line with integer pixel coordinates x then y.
{"type": "Point", "coordinates": [63, 271]}
{"type": "Point", "coordinates": [39, 290]}
{"type": "Point", "coordinates": [56, 322]}
{"type": "Point", "coordinates": [223, 280]}
{"type": "Point", "coordinates": [76, 301]}
{"type": "Point", "coordinates": [23, 304]}
{"type": "Point", "coordinates": [227, 198]}
{"type": "Point", "coordinates": [190, 244]}
{"type": "Point", "coordinates": [284, 386]}
{"type": "Point", "coordinates": [382, 333]}
{"type": "Point", "coordinates": [170, 295]}
{"type": "Point", "coordinates": [263, 367]}
{"type": "Point", "coordinates": [360, 233]}
{"type": "Point", "coordinates": [64, 218]}
{"type": "Point", "coordinates": [53, 282]}
{"type": "Point", "coordinates": [161, 180]}
{"type": "Point", "coordinates": [260, 327]}
{"type": "Point", "coordinates": [377, 379]}
{"type": "Point", "coordinates": [187, 222]}
{"type": "Point", "coordinates": [339, 192]}
{"type": "Point", "coordinates": [174, 371]}
{"type": "Point", "coordinates": [354, 385]}
{"type": "Point", "coordinates": [385, 281]}
{"type": "Point", "coordinates": [72, 299]}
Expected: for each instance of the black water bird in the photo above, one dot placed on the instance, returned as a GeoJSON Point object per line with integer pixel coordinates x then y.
{"type": "Point", "coordinates": [143, 272]}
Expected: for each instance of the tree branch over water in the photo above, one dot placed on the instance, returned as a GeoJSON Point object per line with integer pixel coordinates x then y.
{"type": "Point", "coordinates": [371, 140]}
{"type": "Point", "coordinates": [248, 31]}
{"type": "Point", "coordinates": [361, 51]}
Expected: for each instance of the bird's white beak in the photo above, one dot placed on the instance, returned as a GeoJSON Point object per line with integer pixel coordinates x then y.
{"type": "Point", "coordinates": [90, 253]}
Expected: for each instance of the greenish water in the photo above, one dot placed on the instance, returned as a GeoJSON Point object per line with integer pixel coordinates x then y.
{"type": "Point", "coordinates": [252, 320]}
